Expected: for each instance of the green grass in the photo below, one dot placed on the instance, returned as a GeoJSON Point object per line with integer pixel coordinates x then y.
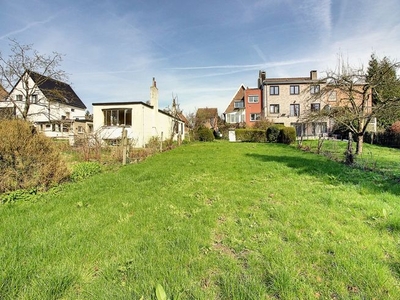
{"type": "Point", "coordinates": [210, 221]}
{"type": "Point", "coordinates": [375, 158]}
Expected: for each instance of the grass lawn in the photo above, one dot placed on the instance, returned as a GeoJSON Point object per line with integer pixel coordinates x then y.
{"type": "Point", "coordinates": [211, 221]}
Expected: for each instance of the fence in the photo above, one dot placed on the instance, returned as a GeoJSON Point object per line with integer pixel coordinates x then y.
{"type": "Point", "coordinates": [388, 139]}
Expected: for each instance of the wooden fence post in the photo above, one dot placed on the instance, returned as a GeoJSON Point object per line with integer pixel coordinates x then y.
{"type": "Point", "coordinates": [124, 146]}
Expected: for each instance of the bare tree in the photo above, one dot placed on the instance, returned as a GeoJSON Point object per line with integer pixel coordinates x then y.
{"type": "Point", "coordinates": [348, 95]}
{"type": "Point", "coordinates": [20, 64]}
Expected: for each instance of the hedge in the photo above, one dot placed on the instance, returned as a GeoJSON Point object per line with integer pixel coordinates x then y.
{"type": "Point", "coordinates": [274, 134]}
{"type": "Point", "coordinates": [387, 138]}
{"type": "Point", "coordinates": [251, 135]}
{"type": "Point", "coordinates": [287, 135]}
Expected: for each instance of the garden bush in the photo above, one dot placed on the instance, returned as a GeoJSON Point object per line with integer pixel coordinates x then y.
{"type": "Point", "coordinates": [251, 135]}
{"type": "Point", "coordinates": [273, 133]}
{"type": "Point", "coordinates": [287, 135]}
{"type": "Point", "coordinates": [28, 159]}
{"type": "Point", "coordinates": [205, 135]}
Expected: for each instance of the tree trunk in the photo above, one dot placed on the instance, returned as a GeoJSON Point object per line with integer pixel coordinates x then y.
{"type": "Point", "coordinates": [25, 110]}
{"type": "Point", "coordinates": [360, 142]}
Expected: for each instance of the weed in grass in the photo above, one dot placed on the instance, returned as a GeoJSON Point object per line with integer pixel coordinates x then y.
{"type": "Point", "coordinates": [85, 169]}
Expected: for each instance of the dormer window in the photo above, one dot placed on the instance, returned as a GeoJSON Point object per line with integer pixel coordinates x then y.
{"type": "Point", "coordinates": [238, 104]}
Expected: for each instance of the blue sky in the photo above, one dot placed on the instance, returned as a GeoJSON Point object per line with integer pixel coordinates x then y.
{"type": "Point", "coordinates": [199, 51]}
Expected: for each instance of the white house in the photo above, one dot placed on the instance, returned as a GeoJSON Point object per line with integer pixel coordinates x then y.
{"type": "Point", "coordinates": [142, 121]}
{"type": "Point", "coordinates": [53, 105]}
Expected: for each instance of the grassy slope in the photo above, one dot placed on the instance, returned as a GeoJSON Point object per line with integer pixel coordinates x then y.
{"type": "Point", "coordinates": [209, 221]}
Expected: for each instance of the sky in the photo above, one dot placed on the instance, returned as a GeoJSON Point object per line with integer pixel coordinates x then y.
{"type": "Point", "coordinates": [199, 52]}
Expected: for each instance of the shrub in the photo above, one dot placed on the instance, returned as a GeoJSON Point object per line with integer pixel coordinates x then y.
{"type": "Point", "coordinates": [395, 128]}
{"type": "Point", "coordinates": [287, 135]}
{"type": "Point", "coordinates": [85, 169]}
{"type": "Point", "coordinates": [262, 124]}
{"type": "Point", "coordinates": [205, 135]}
{"type": "Point", "coordinates": [273, 133]}
{"type": "Point", "coordinates": [28, 159]}
{"type": "Point", "coordinates": [250, 135]}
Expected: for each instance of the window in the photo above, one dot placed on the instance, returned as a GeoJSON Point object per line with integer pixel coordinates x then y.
{"type": "Point", "coordinates": [80, 129]}
{"type": "Point", "coordinates": [274, 90]}
{"type": "Point", "coordinates": [294, 90]}
{"type": "Point", "coordinates": [332, 96]}
{"type": "Point", "coordinates": [294, 110]}
{"type": "Point", "coordinates": [274, 108]}
{"type": "Point", "coordinates": [19, 97]}
{"type": "Point", "coordinates": [72, 109]}
{"type": "Point", "coordinates": [255, 117]}
{"type": "Point", "coordinates": [315, 107]}
{"type": "Point", "coordinates": [238, 104]}
{"type": "Point", "coordinates": [253, 99]}
{"type": "Point", "coordinates": [234, 118]}
{"type": "Point", "coordinates": [116, 117]}
{"type": "Point", "coordinates": [319, 128]}
{"type": "Point", "coordinates": [300, 128]}
{"type": "Point", "coordinates": [33, 98]}
{"type": "Point", "coordinates": [314, 89]}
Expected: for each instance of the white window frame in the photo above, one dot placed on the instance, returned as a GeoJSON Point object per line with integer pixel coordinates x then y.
{"type": "Point", "coordinates": [255, 117]}
{"type": "Point", "coordinates": [118, 117]}
{"type": "Point", "coordinates": [294, 89]}
{"type": "Point", "coordinates": [33, 98]}
{"type": "Point", "coordinates": [274, 108]}
{"type": "Point", "coordinates": [294, 110]}
{"type": "Point", "coordinates": [238, 104]}
{"type": "Point", "coordinates": [315, 89]}
{"type": "Point", "coordinates": [253, 99]}
{"type": "Point", "coordinates": [274, 90]}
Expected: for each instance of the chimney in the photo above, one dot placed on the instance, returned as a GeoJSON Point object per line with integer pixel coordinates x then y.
{"type": "Point", "coordinates": [313, 75]}
{"type": "Point", "coordinates": [154, 95]}
{"type": "Point", "coordinates": [261, 78]}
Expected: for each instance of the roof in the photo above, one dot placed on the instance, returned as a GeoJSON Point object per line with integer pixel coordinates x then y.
{"type": "Point", "coordinates": [121, 103]}
{"type": "Point", "coordinates": [292, 80]}
{"type": "Point", "coordinates": [207, 112]}
{"type": "Point", "coordinates": [182, 117]}
{"type": "Point", "coordinates": [239, 96]}
{"type": "Point", "coordinates": [287, 80]}
{"type": "Point", "coordinates": [3, 93]}
{"type": "Point", "coordinates": [57, 90]}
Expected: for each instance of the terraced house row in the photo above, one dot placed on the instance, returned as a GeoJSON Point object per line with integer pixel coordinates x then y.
{"type": "Point", "coordinates": [285, 101]}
